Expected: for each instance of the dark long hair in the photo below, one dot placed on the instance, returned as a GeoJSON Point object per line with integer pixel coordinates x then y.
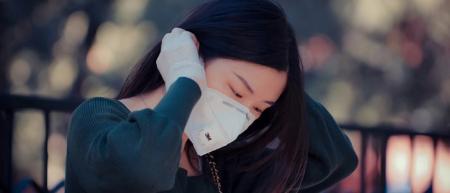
{"type": "Point", "coordinates": [255, 31]}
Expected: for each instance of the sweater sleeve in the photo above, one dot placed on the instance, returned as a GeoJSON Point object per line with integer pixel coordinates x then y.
{"type": "Point", "coordinates": [111, 150]}
{"type": "Point", "coordinates": [331, 155]}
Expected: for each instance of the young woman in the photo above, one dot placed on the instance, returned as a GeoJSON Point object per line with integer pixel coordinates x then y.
{"type": "Point", "coordinates": [217, 106]}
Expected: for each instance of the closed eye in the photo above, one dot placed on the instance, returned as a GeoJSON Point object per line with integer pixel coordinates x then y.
{"type": "Point", "coordinates": [240, 96]}
{"type": "Point", "coordinates": [234, 92]}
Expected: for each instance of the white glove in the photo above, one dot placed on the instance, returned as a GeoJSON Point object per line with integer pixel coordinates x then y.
{"type": "Point", "coordinates": [179, 57]}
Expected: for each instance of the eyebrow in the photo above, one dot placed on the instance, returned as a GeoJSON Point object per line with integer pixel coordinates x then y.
{"type": "Point", "coordinates": [247, 85]}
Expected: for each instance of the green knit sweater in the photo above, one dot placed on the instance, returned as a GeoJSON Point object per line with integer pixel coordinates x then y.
{"type": "Point", "coordinates": [111, 149]}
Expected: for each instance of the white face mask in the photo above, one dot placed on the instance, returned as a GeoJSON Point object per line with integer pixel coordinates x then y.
{"type": "Point", "coordinates": [217, 121]}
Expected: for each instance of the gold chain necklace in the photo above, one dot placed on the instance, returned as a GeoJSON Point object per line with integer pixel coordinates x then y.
{"type": "Point", "coordinates": [214, 171]}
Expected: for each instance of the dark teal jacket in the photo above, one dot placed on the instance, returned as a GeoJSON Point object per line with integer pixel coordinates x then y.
{"type": "Point", "coordinates": [111, 149]}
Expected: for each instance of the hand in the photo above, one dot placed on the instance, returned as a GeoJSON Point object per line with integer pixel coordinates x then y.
{"type": "Point", "coordinates": [179, 57]}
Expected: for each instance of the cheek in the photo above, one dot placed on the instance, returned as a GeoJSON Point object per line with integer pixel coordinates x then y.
{"type": "Point", "coordinates": [216, 79]}
{"type": "Point", "coordinates": [212, 79]}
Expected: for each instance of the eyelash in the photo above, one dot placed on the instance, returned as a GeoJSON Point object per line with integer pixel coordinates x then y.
{"type": "Point", "coordinates": [238, 95]}
{"type": "Point", "coordinates": [234, 92]}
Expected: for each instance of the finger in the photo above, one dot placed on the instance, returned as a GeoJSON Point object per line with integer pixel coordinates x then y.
{"type": "Point", "coordinates": [177, 30]}
{"type": "Point", "coordinates": [197, 43]}
{"type": "Point", "coordinates": [165, 37]}
{"type": "Point", "coordinates": [194, 38]}
{"type": "Point", "coordinates": [202, 61]}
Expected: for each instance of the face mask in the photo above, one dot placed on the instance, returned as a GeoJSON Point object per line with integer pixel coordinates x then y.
{"type": "Point", "coordinates": [216, 121]}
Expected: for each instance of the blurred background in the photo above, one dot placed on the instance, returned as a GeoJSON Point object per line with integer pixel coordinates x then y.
{"type": "Point", "coordinates": [382, 69]}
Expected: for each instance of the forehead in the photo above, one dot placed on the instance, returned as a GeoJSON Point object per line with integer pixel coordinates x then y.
{"type": "Point", "coordinates": [267, 83]}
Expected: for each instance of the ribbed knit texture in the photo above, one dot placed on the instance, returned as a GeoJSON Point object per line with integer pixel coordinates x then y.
{"type": "Point", "coordinates": [113, 150]}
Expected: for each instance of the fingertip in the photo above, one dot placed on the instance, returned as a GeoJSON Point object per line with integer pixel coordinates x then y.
{"type": "Point", "coordinates": [165, 36]}
{"type": "Point", "coordinates": [177, 30]}
{"type": "Point", "coordinates": [194, 38]}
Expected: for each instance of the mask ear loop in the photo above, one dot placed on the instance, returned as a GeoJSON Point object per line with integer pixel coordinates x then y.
{"type": "Point", "coordinates": [250, 119]}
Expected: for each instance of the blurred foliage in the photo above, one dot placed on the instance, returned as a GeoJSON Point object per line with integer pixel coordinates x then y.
{"type": "Point", "coordinates": [370, 62]}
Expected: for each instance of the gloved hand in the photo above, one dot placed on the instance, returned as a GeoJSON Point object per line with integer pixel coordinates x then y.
{"type": "Point", "coordinates": [179, 57]}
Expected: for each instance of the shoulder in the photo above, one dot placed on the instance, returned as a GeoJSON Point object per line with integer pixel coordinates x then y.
{"type": "Point", "coordinates": [98, 107]}
{"type": "Point", "coordinates": [313, 105]}
{"type": "Point", "coordinates": [317, 115]}
{"type": "Point", "coordinates": [331, 154]}
{"type": "Point", "coordinates": [98, 104]}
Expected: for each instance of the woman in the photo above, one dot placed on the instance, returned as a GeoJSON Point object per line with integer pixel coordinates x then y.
{"type": "Point", "coordinates": [217, 106]}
